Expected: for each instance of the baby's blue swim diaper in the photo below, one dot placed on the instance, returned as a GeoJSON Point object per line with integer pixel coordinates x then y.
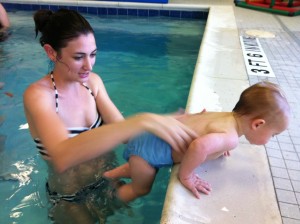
{"type": "Point", "coordinates": [151, 148]}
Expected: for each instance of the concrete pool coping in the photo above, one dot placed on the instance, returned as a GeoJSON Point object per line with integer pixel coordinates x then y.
{"type": "Point", "coordinates": [243, 190]}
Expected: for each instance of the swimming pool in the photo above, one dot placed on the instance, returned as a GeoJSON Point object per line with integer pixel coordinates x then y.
{"type": "Point", "coordinates": [146, 65]}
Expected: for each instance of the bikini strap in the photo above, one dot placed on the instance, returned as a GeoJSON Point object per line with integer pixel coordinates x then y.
{"type": "Point", "coordinates": [55, 90]}
{"type": "Point", "coordinates": [89, 89]}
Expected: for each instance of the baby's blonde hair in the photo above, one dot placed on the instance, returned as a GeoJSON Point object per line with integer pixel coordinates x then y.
{"type": "Point", "coordinates": [263, 100]}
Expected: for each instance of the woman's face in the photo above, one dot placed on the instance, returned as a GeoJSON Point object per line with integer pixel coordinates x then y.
{"type": "Point", "coordinates": [78, 57]}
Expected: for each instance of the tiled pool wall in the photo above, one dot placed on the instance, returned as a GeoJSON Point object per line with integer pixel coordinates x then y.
{"type": "Point", "coordinates": [147, 1]}
{"type": "Point", "coordinates": [110, 8]}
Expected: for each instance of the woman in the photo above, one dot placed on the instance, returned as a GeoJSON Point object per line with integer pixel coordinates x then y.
{"type": "Point", "coordinates": [71, 99]}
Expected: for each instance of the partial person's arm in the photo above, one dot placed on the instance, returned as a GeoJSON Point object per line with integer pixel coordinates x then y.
{"type": "Point", "coordinates": [4, 20]}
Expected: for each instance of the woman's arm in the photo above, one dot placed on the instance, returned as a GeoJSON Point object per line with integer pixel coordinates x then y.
{"type": "Point", "coordinates": [108, 111]}
{"type": "Point", "coordinates": [91, 144]}
{"type": "Point", "coordinates": [68, 152]}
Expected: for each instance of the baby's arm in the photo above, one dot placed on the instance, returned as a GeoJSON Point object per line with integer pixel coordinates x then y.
{"type": "Point", "coordinates": [198, 152]}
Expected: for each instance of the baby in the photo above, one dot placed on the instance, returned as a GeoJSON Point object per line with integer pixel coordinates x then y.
{"type": "Point", "coordinates": [261, 113]}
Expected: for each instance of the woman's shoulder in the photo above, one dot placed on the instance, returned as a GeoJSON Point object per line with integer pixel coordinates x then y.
{"type": "Point", "coordinates": [94, 77]}
{"type": "Point", "coordinates": [39, 89]}
{"type": "Point", "coordinates": [95, 82]}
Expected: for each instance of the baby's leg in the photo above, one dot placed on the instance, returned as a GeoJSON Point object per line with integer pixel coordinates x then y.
{"type": "Point", "coordinates": [142, 175]}
{"type": "Point", "coordinates": [118, 172]}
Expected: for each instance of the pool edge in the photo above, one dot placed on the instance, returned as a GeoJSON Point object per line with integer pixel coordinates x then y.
{"type": "Point", "coordinates": [218, 80]}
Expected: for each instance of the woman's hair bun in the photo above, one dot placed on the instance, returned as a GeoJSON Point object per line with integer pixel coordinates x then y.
{"type": "Point", "coordinates": [41, 18]}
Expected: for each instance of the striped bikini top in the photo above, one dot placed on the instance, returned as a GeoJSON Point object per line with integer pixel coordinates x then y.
{"type": "Point", "coordinates": [73, 131]}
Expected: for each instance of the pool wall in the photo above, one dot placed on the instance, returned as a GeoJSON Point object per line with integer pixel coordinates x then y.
{"type": "Point", "coordinates": [242, 186]}
{"type": "Point", "coordinates": [111, 8]}
{"type": "Point", "coordinates": [148, 1]}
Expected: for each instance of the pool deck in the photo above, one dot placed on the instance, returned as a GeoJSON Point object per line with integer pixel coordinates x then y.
{"type": "Point", "coordinates": [257, 184]}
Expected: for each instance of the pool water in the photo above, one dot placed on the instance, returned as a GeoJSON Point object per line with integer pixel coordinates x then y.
{"type": "Point", "coordinates": [146, 65]}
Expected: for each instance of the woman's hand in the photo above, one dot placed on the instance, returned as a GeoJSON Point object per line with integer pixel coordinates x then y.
{"type": "Point", "coordinates": [195, 184]}
{"type": "Point", "coordinates": [169, 129]}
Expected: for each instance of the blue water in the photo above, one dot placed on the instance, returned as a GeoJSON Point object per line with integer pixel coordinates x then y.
{"type": "Point", "coordinates": [146, 65]}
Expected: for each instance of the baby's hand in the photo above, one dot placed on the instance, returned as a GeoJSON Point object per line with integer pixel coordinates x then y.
{"type": "Point", "coordinates": [195, 184]}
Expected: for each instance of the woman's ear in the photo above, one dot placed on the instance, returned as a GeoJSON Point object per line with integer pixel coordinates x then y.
{"type": "Point", "coordinates": [50, 52]}
{"type": "Point", "coordinates": [257, 123]}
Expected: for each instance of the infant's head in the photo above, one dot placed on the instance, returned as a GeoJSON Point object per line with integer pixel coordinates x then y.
{"type": "Point", "coordinates": [264, 103]}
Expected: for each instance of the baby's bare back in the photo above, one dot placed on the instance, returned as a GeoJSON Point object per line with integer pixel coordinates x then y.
{"type": "Point", "coordinates": [206, 123]}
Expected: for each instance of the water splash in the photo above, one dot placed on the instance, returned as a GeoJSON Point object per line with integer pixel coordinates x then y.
{"type": "Point", "coordinates": [23, 176]}
{"type": "Point", "coordinates": [23, 126]}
